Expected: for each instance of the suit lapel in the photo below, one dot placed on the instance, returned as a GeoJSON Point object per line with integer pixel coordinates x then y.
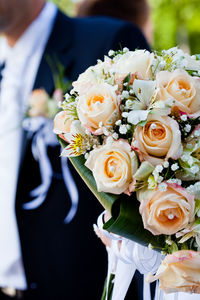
{"type": "Point", "coordinates": [57, 50]}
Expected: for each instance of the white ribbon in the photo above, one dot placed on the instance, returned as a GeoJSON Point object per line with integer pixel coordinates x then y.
{"type": "Point", "coordinates": [42, 131]}
{"type": "Point", "coordinates": [127, 260]}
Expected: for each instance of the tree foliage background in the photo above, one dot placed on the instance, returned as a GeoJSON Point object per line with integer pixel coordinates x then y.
{"type": "Point", "coordinates": [176, 22]}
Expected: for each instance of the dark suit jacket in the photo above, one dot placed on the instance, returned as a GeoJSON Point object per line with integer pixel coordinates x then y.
{"type": "Point", "coordinates": [66, 261]}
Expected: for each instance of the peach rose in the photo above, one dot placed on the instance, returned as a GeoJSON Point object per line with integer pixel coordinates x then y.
{"type": "Point", "coordinates": [38, 103]}
{"type": "Point", "coordinates": [166, 212]}
{"type": "Point", "coordinates": [160, 138]}
{"type": "Point", "coordinates": [113, 167]}
{"type": "Point", "coordinates": [99, 105]}
{"type": "Point", "coordinates": [134, 61]}
{"type": "Point", "coordinates": [179, 272]}
{"type": "Point", "coordinates": [61, 124]}
{"type": "Point", "coordinates": [182, 88]}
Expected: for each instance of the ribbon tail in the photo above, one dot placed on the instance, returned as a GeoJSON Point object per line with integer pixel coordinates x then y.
{"type": "Point", "coordinates": [123, 278]}
{"type": "Point", "coordinates": [146, 289]}
{"type": "Point", "coordinates": [159, 293]}
{"type": "Point", "coordinates": [39, 151]}
{"type": "Point", "coordinates": [34, 203]}
{"type": "Point", "coordinates": [72, 189]}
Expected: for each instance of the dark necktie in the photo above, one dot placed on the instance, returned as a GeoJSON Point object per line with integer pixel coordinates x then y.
{"type": "Point", "coordinates": [2, 66]}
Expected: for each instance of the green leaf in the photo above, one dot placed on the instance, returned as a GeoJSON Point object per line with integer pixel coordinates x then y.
{"type": "Point", "coordinates": [62, 142]}
{"type": "Point", "coordinates": [197, 56]}
{"type": "Point", "coordinates": [142, 123]}
{"type": "Point", "coordinates": [110, 288]}
{"type": "Point", "coordinates": [127, 78]}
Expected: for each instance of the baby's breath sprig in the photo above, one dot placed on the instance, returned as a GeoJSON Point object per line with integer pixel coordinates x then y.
{"type": "Point", "coordinates": [113, 53]}
{"type": "Point", "coordinates": [70, 106]}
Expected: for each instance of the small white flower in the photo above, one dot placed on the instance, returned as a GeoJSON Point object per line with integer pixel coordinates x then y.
{"type": "Point", "coordinates": [197, 186]}
{"type": "Point", "coordinates": [123, 129]}
{"type": "Point", "coordinates": [125, 114]}
{"type": "Point", "coordinates": [72, 92]}
{"type": "Point", "coordinates": [166, 164]}
{"type": "Point", "coordinates": [162, 64]}
{"type": "Point", "coordinates": [101, 124]}
{"type": "Point", "coordinates": [131, 92]}
{"type": "Point", "coordinates": [125, 94]}
{"type": "Point", "coordinates": [67, 96]}
{"type": "Point", "coordinates": [194, 169]}
{"type": "Point", "coordinates": [128, 103]}
{"type": "Point", "coordinates": [187, 128]}
{"type": "Point", "coordinates": [115, 136]}
{"type": "Point", "coordinates": [190, 161]}
{"type": "Point", "coordinates": [185, 157]}
{"type": "Point", "coordinates": [179, 182]}
{"type": "Point", "coordinates": [60, 104]}
{"type": "Point", "coordinates": [109, 140]}
{"type": "Point", "coordinates": [160, 179]}
{"type": "Point", "coordinates": [118, 122]}
{"type": "Point", "coordinates": [86, 155]}
{"type": "Point", "coordinates": [159, 168]}
{"type": "Point", "coordinates": [111, 53]}
{"type": "Point", "coordinates": [168, 242]}
{"type": "Point", "coordinates": [150, 247]}
{"type": "Point", "coordinates": [191, 189]}
{"type": "Point", "coordinates": [87, 132]}
{"type": "Point", "coordinates": [184, 118]}
{"type": "Point", "coordinates": [105, 131]}
{"type": "Point", "coordinates": [175, 167]}
{"type": "Point", "coordinates": [197, 133]}
{"type": "Point", "coordinates": [156, 175]}
{"type": "Point", "coordinates": [125, 49]}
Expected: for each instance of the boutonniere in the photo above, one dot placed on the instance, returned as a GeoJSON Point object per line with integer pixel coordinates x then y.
{"type": "Point", "coordinates": [38, 123]}
{"type": "Point", "coordinates": [43, 105]}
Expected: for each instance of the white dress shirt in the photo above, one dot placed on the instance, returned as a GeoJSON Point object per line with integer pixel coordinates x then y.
{"type": "Point", "coordinates": [22, 62]}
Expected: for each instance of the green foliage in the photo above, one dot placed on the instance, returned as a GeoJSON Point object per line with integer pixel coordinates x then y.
{"type": "Point", "coordinates": [67, 6]}
{"type": "Point", "coordinates": [176, 22]}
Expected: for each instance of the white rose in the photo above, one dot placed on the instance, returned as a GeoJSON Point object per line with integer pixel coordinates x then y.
{"type": "Point", "coordinates": [113, 167]}
{"type": "Point", "coordinates": [99, 105]}
{"type": "Point", "coordinates": [138, 61]}
{"type": "Point", "coordinates": [92, 76]}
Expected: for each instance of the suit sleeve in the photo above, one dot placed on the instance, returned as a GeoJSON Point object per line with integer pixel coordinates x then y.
{"type": "Point", "coordinates": [129, 36]}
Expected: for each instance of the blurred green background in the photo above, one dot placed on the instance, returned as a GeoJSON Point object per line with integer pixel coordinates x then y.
{"type": "Point", "coordinates": [176, 22]}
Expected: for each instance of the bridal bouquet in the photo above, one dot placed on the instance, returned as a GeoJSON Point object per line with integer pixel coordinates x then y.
{"type": "Point", "coordinates": [131, 128]}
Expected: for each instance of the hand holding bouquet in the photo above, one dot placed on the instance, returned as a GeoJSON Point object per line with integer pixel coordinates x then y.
{"type": "Point", "coordinates": [131, 127]}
